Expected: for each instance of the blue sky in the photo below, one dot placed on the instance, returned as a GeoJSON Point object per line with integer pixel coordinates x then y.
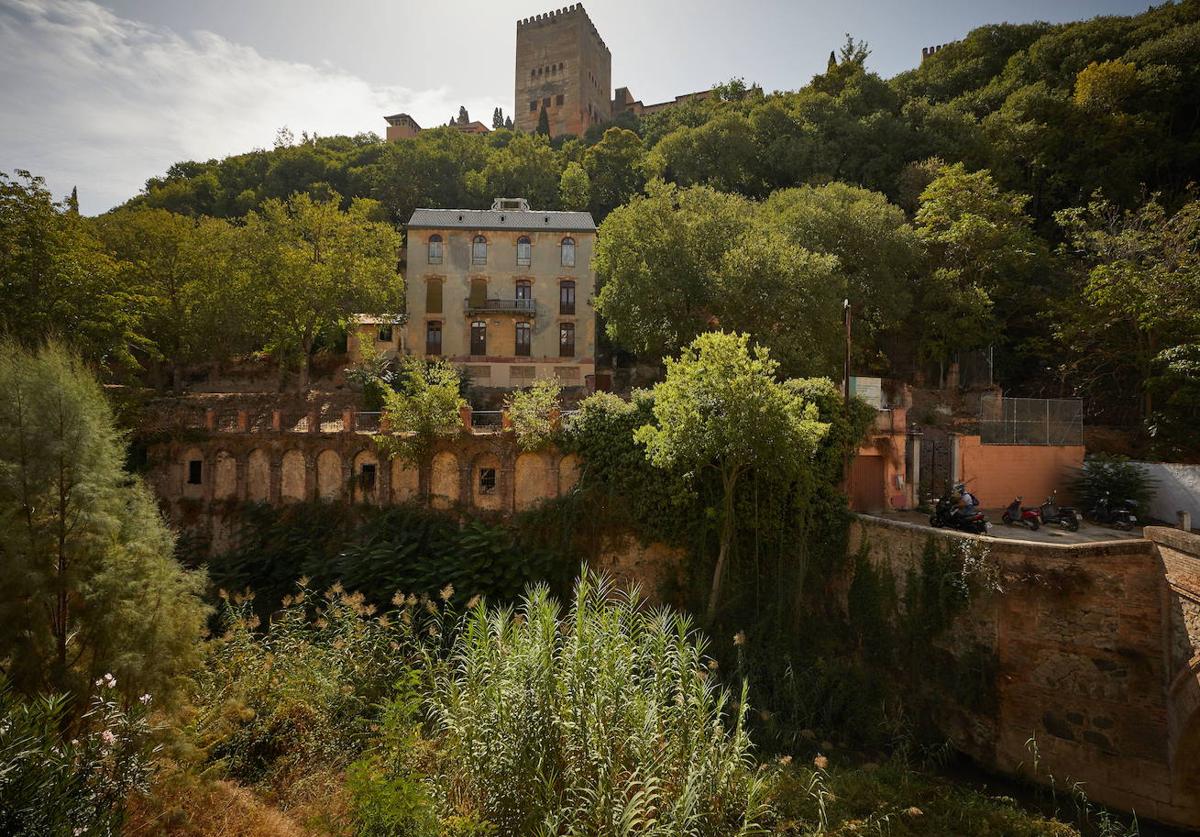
{"type": "Point", "coordinates": [104, 95]}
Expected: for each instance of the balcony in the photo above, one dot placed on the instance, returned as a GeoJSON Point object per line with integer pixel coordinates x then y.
{"type": "Point", "coordinates": [500, 306]}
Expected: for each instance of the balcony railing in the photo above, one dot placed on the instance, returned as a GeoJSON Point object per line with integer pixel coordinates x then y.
{"type": "Point", "coordinates": [513, 306]}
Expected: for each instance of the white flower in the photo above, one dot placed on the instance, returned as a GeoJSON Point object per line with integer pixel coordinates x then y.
{"type": "Point", "coordinates": [108, 738]}
{"type": "Point", "coordinates": [145, 699]}
{"type": "Point", "coordinates": [109, 681]}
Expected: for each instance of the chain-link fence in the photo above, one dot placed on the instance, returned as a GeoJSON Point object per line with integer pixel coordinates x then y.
{"type": "Point", "coordinates": [1031, 421]}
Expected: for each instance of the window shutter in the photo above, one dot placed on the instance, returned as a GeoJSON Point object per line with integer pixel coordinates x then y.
{"type": "Point", "coordinates": [478, 292]}
{"type": "Point", "coordinates": [433, 297]}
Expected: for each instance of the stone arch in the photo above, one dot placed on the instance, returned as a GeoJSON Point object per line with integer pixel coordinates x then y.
{"type": "Point", "coordinates": [1183, 722]}
{"type": "Point", "coordinates": [365, 478]}
{"type": "Point", "coordinates": [535, 480]}
{"type": "Point", "coordinates": [329, 475]}
{"type": "Point", "coordinates": [258, 476]}
{"type": "Point", "coordinates": [443, 480]}
{"type": "Point", "coordinates": [485, 482]}
{"type": "Point", "coordinates": [224, 476]}
{"type": "Point", "coordinates": [292, 477]}
{"type": "Point", "coordinates": [406, 481]}
{"type": "Point", "coordinates": [568, 473]}
{"type": "Point", "coordinates": [187, 488]}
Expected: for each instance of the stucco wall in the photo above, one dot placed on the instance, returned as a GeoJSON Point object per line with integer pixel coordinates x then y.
{"type": "Point", "coordinates": [1177, 488]}
{"type": "Point", "coordinates": [999, 473]}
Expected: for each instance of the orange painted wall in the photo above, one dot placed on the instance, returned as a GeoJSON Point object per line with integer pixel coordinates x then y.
{"type": "Point", "coordinates": [998, 473]}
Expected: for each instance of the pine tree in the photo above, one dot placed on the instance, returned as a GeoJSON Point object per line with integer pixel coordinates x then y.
{"type": "Point", "coordinates": [543, 126]}
{"type": "Point", "coordinates": [497, 119]}
{"type": "Point", "coordinates": [508, 123]}
{"type": "Point", "coordinates": [73, 201]}
{"type": "Point", "coordinates": [832, 65]}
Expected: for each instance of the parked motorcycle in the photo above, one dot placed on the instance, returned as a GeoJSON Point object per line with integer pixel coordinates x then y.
{"type": "Point", "coordinates": [1119, 515]}
{"type": "Point", "coordinates": [1025, 515]}
{"type": "Point", "coordinates": [1064, 516]}
{"type": "Point", "coordinates": [947, 514]}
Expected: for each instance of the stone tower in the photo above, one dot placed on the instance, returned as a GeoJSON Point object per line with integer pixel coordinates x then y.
{"type": "Point", "coordinates": [564, 67]}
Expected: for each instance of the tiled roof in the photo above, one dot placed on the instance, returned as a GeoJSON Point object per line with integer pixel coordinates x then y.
{"type": "Point", "coordinates": [500, 219]}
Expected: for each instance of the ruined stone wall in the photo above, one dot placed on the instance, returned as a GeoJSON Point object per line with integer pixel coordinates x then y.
{"type": "Point", "coordinates": [1096, 652]}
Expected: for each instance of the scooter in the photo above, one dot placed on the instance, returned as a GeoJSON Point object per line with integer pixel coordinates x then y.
{"type": "Point", "coordinates": [947, 514]}
{"type": "Point", "coordinates": [1118, 515]}
{"type": "Point", "coordinates": [1025, 515]}
{"type": "Point", "coordinates": [1064, 516]}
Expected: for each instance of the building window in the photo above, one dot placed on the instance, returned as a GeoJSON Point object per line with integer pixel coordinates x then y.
{"type": "Point", "coordinates": [566, 298]}
{"type": "Point", "coordinates": [433, 296]}
{"type": "Point", "coordinates": [487, 480]}
{"type": "Point", "coordinates": [568, 252]}
{"type": "Point", "coordinates": [385, 333]}
{"type": "Point", "coordinates": [435, 249]}
{"type": "Point", "coordinates": [524, 250]}
{"type": "Point", "coordinates": [366, 477]}
{"type": "Point", "coordinates": [533, 106]}
{"type": "Point", "coordinates": [524, 339]}
{"type": "Point", "coordinates": [479, 250]}
{"type": "Point", "coordinates": [479, 338]}
{"type": "Point", "coordinates": [195, 471]}
{"type": "Point", "coordinates": [566, 340]}
{"type": "Point", "coordinates": [546, 102]}
{"type": "Point", "coordinates": [433, 338]}
{"type": "Point", "coordinates": [558, 100]}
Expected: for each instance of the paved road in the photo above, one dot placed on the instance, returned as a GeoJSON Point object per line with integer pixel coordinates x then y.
{"type": "Point", "coordinates": [1088, 532]}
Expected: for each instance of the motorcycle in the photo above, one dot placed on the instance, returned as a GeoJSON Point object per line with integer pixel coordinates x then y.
{"type": "Point", "coordinates": [946, 514]}
{"type": "Point", "coordinates": [1064, 516]}
{"type": "Point", "coordinates": [1118, 515]}
{"type": "Point", "coordinates": [1025, 515]}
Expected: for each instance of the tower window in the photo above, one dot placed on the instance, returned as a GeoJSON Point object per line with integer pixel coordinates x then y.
{"type": "Point", "coordinates": [435, 249]}
{"type": "Point", "coordinates": [479, 250]}
{"type": "Point", "coordinates": [524, 250]}
{"type": "Point", "coordinates": [558, 100]}
{"type": "Point", "coordinates": [433, 339]}
{"type": "Point", "coordinates": [546, 102]}
{"type": "Point", "coordinates": [479, 338]}
{"type": "Point", "coordinates": [568, 252]}
{"type": "Point", "coordinates": [533, 106]}
{"type": "Point", "coordinates": [524, 339]}
{"type": "Point", "coordinates": [566, 340]}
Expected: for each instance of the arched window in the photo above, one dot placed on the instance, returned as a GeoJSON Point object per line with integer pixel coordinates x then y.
{"type": "Point", "coordinates": [524, 339]}
{"type": "Point", "coordinates": [524, 250]}
{"type": "Point", "coordinates": [479, 250]}
{"type": "Point", "coordinates": [566, 298]}
{"type": "Point", "coordinates": [435, 249]}
{"type": "Point", "coordinates": [566, 340]}
{"type": "Point", "coordinates": [479, 338]}
{"type": "Point", "coordinates": [568, 252]}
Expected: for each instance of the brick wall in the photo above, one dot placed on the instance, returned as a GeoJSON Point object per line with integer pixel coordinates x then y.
{"type": "Point", "coordinates": [1080, 634]}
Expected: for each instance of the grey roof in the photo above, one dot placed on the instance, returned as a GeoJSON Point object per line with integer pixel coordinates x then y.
{"type": "Point", "coordinates": [501, 219]}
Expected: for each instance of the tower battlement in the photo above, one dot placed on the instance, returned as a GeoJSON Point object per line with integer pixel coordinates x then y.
{"type": "Point", "coordinates": [558, 15]}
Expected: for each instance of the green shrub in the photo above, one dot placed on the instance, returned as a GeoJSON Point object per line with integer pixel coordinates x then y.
{"type": "Point", "coordinates": [55, 781]}
{"type": "Point", "coordinates": [603, 720]}
{"type": "Point", "coordinates": [532, 412]}
{"type": "Point", "coordinates": [1115, 477]}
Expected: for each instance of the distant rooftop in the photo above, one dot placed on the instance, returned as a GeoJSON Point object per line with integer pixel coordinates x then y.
{"type": "Point", "coordinates": [505, 214]}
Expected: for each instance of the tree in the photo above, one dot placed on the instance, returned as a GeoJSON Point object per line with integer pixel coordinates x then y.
{"type": "Point", "coordinates": [508, 123]}
{"type": "Point", "coordinates": [497, 119]}
{"type": "Point", "coordinates": [1103, 87]}
{"type": "Point", "coordinates": [574, 187]}
{"type": "Point", "coordinates": [309, 266]}
{"type": "Point", "coordinates": [534, 413]}
{"type": "Point", "coordinates": [982, 252]}
{"type": "Point", "coordinates": [721, 410]}
{"type": "Point", "coordinates": [614, 169]}
{"type": "Point", "coordinates": [179, 271]}
{"type": "Point", "coordinates": [543, 126]}
{"type": "Point", "coordinates": [1140, 293]}
{"type": "Point", "coordinates": [88, 582]}
{"type": "Point", "coordinates": [56, 280]}
{"type": "Point", "coordinates": [425, 406]}
{"type": "Point", "coordinates": [878, 252]}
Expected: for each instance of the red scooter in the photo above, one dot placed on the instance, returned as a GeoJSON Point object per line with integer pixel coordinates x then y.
{"type": "Point", "coordinates": [1025, 515]}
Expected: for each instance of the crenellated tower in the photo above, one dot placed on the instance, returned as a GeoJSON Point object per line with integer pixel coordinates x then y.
{"type": "Point", "coordinates": [563, 67]}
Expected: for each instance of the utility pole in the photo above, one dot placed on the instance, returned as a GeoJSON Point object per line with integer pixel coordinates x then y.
{"type": "Point", "coordinates": [846, 360]}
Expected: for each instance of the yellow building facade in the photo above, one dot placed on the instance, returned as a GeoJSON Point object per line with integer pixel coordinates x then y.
{"type": "Point", "coordinates": [507, 293]}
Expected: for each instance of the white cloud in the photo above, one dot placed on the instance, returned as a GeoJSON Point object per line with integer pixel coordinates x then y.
{"type": "Point", "coordinates": [98, 101]}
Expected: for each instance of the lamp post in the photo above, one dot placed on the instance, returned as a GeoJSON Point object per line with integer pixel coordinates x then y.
{"type": "Point", "coordinates": [846, 359]}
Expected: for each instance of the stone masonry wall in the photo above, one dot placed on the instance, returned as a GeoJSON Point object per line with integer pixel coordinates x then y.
{"type": "Point", "coordinates": [1080, 634]}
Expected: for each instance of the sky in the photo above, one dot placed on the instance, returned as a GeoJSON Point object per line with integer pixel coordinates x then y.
{"type": "Point", "coordinates": [103, 95]}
